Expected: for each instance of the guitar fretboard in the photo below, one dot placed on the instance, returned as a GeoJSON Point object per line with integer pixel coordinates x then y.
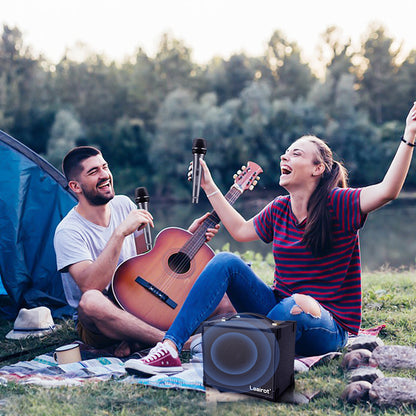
{"type": "Point", "coordinates": [198, 238]}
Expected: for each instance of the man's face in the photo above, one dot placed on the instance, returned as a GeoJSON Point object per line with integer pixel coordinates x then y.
{"type": "Point", "coordinates": [96, 181]}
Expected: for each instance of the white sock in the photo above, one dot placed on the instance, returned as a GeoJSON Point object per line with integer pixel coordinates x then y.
{"type": "Point", "coordinates": [172, 350]}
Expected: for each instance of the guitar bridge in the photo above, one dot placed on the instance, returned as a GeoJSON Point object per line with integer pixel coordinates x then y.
{"type": "Point", "coordinates": [156, 292]}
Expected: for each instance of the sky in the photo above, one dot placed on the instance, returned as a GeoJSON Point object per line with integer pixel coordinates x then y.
{"type": "Point", "coordinates": [209, 27]}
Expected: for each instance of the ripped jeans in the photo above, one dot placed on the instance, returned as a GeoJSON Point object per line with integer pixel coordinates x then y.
{"type": "Point", "coordinates": [317, 332]}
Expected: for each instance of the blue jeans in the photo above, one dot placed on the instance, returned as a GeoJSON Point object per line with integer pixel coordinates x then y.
{"type": "Point", "coordinates": [227, 273]}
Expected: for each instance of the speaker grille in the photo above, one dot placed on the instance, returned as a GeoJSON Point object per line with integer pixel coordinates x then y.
{"type": "Point", "coordinates": [245, 355]}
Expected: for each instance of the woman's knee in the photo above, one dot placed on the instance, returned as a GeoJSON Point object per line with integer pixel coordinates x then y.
{"type": "Point", "coordinates": [306, 304]}
{"type": "Point", "coordinates": [291, 308]}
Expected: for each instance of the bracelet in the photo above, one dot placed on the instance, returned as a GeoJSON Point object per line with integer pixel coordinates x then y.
{"type": "Point", "coordinates": [408, 143]}
{"type": "Point", "coordinates": [213, 193]}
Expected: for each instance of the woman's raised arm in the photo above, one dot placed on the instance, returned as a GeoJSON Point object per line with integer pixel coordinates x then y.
{"type": "Point", "coordinates": [375, 196]}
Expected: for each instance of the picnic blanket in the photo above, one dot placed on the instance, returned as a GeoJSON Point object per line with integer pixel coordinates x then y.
{"type": "Point", "coordinates": [95, 367]}
{"type": "Point", "coordinates": [43, 370]}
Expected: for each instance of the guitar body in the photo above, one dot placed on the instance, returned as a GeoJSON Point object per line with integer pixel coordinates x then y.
{"type": "Point", "coordinates": [165, 269]}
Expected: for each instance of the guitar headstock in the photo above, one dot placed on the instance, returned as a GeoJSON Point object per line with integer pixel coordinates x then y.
{"type": "Point", "coordinates": [247, 177]}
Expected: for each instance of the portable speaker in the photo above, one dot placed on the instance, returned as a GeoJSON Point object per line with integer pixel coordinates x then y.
{"type": "Point", "coordinates": [250, 354]}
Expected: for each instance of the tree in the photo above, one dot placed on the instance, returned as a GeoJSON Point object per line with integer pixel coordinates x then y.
{"type": "Point", "coordinates": [176, 126]}
{"type": "Point", "coordinates": [291, 77]}
{"type": "Point", "coordinates": [228, 78]}
{"type": "Point", "coordinates": [256, 112]}
{"type": "Point", "coordinates": [65, 132]}
{"type": "Point", "coordinates": [129, 155]}
{"type": "Point", "coordinates": [337, 53]}
{"type": "Point", "coordinates": [378, 80]}
{"type": "Point", "coordinates": [347, 128]}
{"type": "Point", "coordinates": [24, 102]}
{"type": "Point", "coordinates": [222, 126]}
{"type": "Point", "coordinates": [143, 95]}
{"type": "Point", "coordinates": [173, 65]}
{"type": "Point", "coordinates": [405, 87]}
{"type": "Point", "coordinates": [93, 88]}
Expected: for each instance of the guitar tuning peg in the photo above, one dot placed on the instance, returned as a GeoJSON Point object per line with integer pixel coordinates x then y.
{"type": "Point", "coordinates": [258, 178]}
{"type": "Point", "coordinates": [234, 176]}
{"type": "Point", "coordinates": [243, 167]}
{"type": "Point", "coordinates": [254, 182]}
{"type": "Point", "coordinates": [251, 187]}
{"type": "Point", "coordinates": [239, 172]}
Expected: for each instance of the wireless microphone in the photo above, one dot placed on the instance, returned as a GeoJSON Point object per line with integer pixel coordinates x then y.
{"type": "Point", "coordinates": [142, 201]}
{"type": "Point", "coordinates": [199, 149]}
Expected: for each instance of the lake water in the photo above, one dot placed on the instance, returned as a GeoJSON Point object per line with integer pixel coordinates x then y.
{"type": "Point", "coordinates": [388, 237]}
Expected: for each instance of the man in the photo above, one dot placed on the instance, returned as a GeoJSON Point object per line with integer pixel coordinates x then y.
{"type": "Point", "coordinates": [99, 233]}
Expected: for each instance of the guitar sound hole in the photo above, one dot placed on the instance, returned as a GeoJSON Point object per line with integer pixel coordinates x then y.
{"type": "Point", "coordinates": [179, 262]}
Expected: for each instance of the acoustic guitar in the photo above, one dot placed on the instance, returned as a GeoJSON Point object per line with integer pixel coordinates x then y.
{"type": "Point", "coordinates": [153, 286]}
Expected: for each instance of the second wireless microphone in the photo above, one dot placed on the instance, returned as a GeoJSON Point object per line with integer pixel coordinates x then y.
{"type": "Point", "coordinates": [142, 201]}
{"type": "Point", "coordinates": [199, 149]}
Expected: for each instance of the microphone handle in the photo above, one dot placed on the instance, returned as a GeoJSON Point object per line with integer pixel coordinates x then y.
{"type": "Point", "coordinates": [146, 230]}
{"type": "Point", "coordinates": [197, 175]}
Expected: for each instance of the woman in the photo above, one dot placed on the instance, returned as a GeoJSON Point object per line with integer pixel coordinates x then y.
{"type": "Point", "coordinates": [314, 230]}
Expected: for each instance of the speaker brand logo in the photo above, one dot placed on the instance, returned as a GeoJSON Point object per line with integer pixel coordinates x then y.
{"type": "Point", "coordinates": [259, 389]}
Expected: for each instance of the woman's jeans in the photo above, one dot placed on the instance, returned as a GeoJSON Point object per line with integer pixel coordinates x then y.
{"type": "Point", "coordinates": [227, 273]}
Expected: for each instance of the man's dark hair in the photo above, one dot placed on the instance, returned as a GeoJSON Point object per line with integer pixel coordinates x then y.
{"type": "Point", "coordinates": [71, 165]}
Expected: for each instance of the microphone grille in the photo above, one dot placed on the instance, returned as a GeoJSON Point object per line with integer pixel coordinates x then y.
{"type": "Point", "coordinates": [141, 193]}
{"type": "Point", "coordinates": [199, 146]}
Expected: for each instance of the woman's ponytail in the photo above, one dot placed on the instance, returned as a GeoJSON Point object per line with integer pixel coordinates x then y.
{"type": "Point", "coordinates": [318, 230]}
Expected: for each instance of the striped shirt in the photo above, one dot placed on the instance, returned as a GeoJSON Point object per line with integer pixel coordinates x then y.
{"type": "Point", "coordinates": [334, 280]}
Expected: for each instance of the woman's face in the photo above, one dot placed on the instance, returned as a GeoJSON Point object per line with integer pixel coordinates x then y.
{"type": "Point", "coordinates": [298, 166]}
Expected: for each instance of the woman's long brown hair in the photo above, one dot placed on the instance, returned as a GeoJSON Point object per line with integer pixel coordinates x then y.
{"type": "Point", "coordinates": [318, 230]}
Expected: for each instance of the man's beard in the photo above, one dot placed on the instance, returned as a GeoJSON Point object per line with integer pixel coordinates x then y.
{"type": "Point", "coordinates": [96, 199]}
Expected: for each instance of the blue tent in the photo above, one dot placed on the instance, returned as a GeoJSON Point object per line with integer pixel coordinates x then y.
{"type": "Point", "coordinates": [2, 289]}
{"type": "Point", "coordinates": [33, 199]}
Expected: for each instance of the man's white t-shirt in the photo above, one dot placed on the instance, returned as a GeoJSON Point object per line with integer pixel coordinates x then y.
{"type": "Point", "coordinates": [77, 239]}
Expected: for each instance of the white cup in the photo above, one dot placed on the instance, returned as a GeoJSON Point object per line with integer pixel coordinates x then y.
{"type": "Point", "coordinates": [67, 354]}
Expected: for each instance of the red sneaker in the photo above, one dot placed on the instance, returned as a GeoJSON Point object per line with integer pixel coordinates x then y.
{"type": "Point", "coordinates": [162, 359]}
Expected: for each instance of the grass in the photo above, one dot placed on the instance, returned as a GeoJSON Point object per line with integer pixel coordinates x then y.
{"type": "Point", "coordinates": [389, 296]}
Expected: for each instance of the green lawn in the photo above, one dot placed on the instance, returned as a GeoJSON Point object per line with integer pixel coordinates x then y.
{"type": "Point", "coordinates": [389, 297]}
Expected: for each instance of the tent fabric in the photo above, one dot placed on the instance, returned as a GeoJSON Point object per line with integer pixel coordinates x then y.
{"type": "Point", "coordinates": [2, 289]}
{"type": "Point", "coordinates": [33, 199]}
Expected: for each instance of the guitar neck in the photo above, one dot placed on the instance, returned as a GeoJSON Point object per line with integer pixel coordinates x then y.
{"type": "Point", "coordinates": [198, 238]}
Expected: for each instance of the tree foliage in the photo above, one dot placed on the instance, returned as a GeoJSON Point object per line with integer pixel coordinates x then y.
{"type": "Point", "coordinates": [144, 112]}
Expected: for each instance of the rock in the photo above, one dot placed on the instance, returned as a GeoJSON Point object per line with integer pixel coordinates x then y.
{"type": "Point", "coordinates": [356, 392]}
{"type": "Point", "coordinates": [393, 356]}
{"type": "Point", "coordinates": [367, 342]}
{"type": "Point", "coordinates": [356, 358]}
{"type": "Point", "coordinates": [393, 391]}
{"type": "Point", "coordinates": [369, 374]}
